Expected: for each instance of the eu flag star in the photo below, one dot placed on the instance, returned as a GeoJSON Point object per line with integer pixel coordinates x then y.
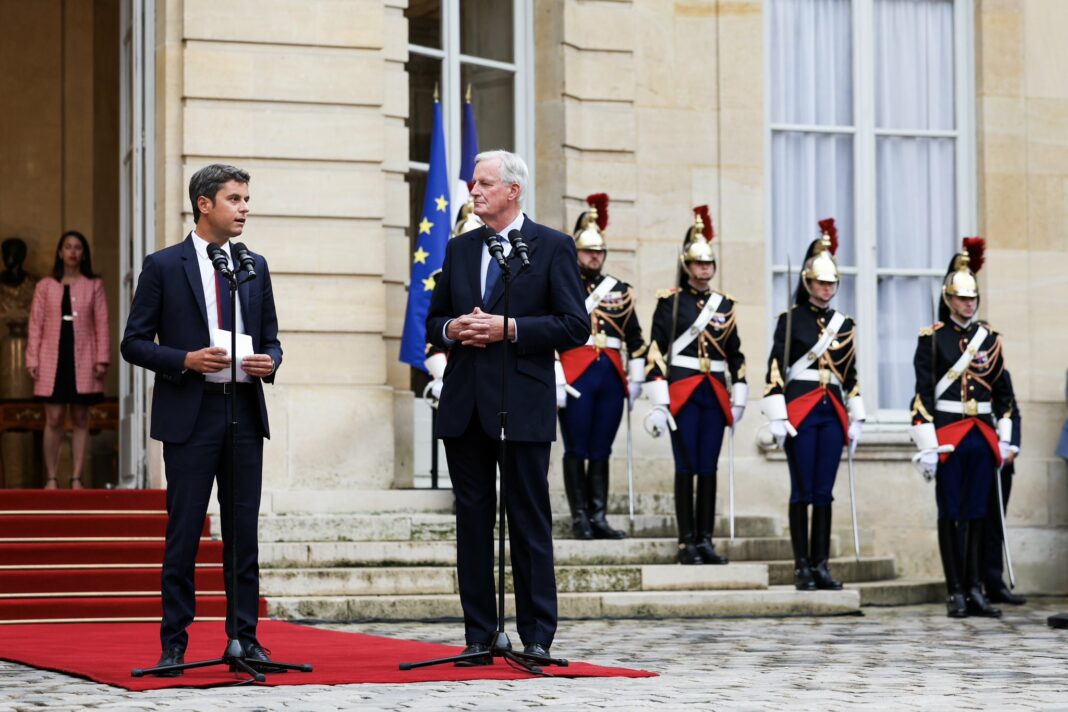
{"type": "Point", "coordinates": [442, 203]}
{"type": "Point", "coordinates": [428, 284]}
{"type": "Point", "coordinates": [420, 256]}
{"type": "Point", "coordinates": [424, 226]}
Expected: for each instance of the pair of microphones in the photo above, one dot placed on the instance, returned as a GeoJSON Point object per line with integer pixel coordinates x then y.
{"type": "Point", "coordinates": [242, 258]}
{"type": "Point", "coordinates": [496, 249]}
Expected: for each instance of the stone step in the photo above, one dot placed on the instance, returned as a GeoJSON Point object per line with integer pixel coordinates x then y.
{"type": "Point", "coordinates": [901, 592]}
{"type": "Point", "coordinates": [438, 527]}
{"type": "Point", "coordinates": [846, 569]}
{"type": "Point", "coordinates": [568, 552]}
{"type": "Point", "coordinates": [399, 581]}
{"type": "Point", "coordinates": [777, 602]}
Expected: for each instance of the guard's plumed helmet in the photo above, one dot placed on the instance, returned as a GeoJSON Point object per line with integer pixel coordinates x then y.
{"type": "Point", "coordinates": [589, 228]}
{"type": "Point", "coordinates": [697, 245]}
{"type": "Point", "coordinates": [466, 220]}
{"type": "Point", "coordinates": [820, 264]}
{"type": "Point", "coordinates": [960, 277]}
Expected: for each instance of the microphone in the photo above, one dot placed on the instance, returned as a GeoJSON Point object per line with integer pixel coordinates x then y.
{"type": "Point", "coordinates": [496, 249]}
{"type": "Point", "coordinates": [218, 260]}
{"type": "Point", "coordinates": [244, 258]}
{"type": "Point", "coordinates": [516, 238]}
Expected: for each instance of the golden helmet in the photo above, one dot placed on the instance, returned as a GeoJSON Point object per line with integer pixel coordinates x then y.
{"type": "Point", "coordinates": [467, 221]}
{"type": "Point", "coordinates": [697, 245]}
{"type": "Point", "coordinates": [820, 264]}
{"type": "Point", "coordinates": [960, 280]}
{"type": "Point", "coordinates": [589, 229]}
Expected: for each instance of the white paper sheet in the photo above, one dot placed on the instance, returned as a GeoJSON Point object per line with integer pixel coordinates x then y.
{"type": "Point", "coordinates": [221, 339]}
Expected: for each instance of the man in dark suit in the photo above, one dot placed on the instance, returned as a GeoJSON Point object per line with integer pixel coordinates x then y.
{"type": "Point", "coordinates": [180, 302]}
{"type": "Point", "coordinates": [465, 318]}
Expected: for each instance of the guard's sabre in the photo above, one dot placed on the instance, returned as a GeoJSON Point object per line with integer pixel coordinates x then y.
{"type": "Point", "coordinates": [1005, 533]}
{"type": "Point", "coordinates": [853, 502]}
{"type": "Point", "coordinates": [630, 468]}
{"type": "Point", "coordinates": [730, 477]}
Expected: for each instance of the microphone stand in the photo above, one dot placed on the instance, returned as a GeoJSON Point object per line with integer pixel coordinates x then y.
{"type": "Point", "coordinates": [234, 654]}
{"type": "Point", "coordinates": [501, 647]}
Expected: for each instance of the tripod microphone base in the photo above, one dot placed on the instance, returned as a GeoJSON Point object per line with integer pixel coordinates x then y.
{"type": "Point", "coordinates": [501, 648]}
{"type": "Point", "coordinates": [234, 658]}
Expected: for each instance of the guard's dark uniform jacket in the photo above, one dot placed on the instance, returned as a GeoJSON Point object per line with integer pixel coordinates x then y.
{"type": "Point", "coordinates": [715, 352]}
{"type": "Point", "coordinates": [977, 395]}
{"type": "Point", "coordinates": [833, 373]}
{"type": "Point", "coordinates": [613, 324]}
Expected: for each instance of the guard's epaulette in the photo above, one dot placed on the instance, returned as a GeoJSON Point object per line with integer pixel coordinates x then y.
{"type": "Point", "coordinates": [783, 312]}
{"type": "Point", "coordinates": [665, 293]}
{"type": "Point", "coordinates": [930, 330]}
{"type": "Point", "coordinates": [726, 295]}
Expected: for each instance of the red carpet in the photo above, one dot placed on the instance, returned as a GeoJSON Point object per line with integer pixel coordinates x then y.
{"type": "Point", "coordinates": [106, 653]}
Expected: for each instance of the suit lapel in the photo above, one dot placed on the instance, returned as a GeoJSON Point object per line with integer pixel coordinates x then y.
{"type": "Point", "coordinates": [475, 260]}
{"type": "Point", "coordinates": [192, 273]}
{"type": "Point", "coordinates": [243, 297]}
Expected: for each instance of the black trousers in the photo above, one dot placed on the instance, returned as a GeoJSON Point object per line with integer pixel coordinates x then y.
{"type": "Point", "coordinates": [192, 467]}
{"type": "Point", "coordinates": [472, 461]}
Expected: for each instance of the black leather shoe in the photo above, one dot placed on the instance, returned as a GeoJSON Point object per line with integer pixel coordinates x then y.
{"type": "Point", "coordinates": [256, 655]}
{"type": "Point", "coordinates": [688, 554]}
{"type": "Point", "coordinates": [955, 606]}
{"type": "Point", "coordinates": [536, 649]}
{"type": "Point", "coordinates": [824, 580]}
{"type": "Point", "coordinates": [1002, 594]}
{"type": "Point", "coordinates": [171, 656]}
{"type": "Point", "coordinates": [979, 606]}
{"type": "Point", "coordinates": [476, 662]}
{"type": "Point", "coordinates": [708, 553]}
{"type": "Point", "coordinates": [803, 580]}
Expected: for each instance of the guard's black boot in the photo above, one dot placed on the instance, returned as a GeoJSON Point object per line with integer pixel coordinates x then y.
{"type": "Point", "coordinates": [799, 540]}
{"type": "Point", "coordinates": [947, 547]}
{"type": "Point", "coordinates": [597, 482]}
{"type": "Point", "coordinates": [973, 551]}
{"type": "Point", "coordinates": [821, 549]}
{"type": "Point", "coordinates": [998, 592]}
{"type": "Point", "coordinates": [575, 487]}
{"type": "Point", "coordinates": [706, 520]}
{"type": "Point", "coordinates": [688, 553]}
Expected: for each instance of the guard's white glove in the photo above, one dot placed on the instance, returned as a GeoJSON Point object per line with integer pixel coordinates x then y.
{"type": "Point", "coordinates": [435, 366]}
{"type": "Point", "coordinates": [739, 397]}
{"type": "Point", "coordinates": [777, 428]}
{"type": "Point", "coordinates": [855, 429]}
{"type": "Point", "coordinates": [929, 463]}
{"type": "Point", "coordinates": [658, 421]}
{"type": "Point", "coordinates": [561, 386]}
{"type": "Point", "coordinates": [435, 389]}
{"type": "Point", "coordinates": [1005, 449]}
{"type": "Point", "coordinates": [634, 389]}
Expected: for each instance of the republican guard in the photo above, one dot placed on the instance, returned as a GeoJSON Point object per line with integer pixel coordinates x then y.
{"type": "Point", "coordinates": [962, 426]}
{"type": "Point", "coordinates": [596, 380]}
{"type": "Point", "coordinates": [813, 404]}
{"type": "Point", "coordinates": [696, 384]}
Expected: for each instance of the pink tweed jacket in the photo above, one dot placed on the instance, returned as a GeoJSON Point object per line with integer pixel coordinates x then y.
{"type": "Point", "coordinates": [92, 343]}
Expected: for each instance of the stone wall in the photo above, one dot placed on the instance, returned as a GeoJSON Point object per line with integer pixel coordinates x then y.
{"type": "Point", "coordinates": [310, 98]}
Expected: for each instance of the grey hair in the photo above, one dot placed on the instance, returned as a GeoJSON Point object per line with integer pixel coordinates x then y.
{"type": "Point", "coordinates": [513, 169]}
{"type": "Point", "coordinates": [209, 180]}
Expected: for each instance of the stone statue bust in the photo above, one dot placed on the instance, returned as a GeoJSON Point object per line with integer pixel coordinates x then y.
{"type": "Point", "coordinates": [16, 286]}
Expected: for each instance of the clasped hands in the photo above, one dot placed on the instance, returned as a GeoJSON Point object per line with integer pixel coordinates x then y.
{"type": "Point", "coordinates": [479, 329]}
{"type": "Point", "coordinates": [213, 359]}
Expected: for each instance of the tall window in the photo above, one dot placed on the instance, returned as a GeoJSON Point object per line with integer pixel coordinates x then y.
{"type": "Point", "coordinates": [871, 121]}
{"type": "Point", "coordinates": [456, 45]}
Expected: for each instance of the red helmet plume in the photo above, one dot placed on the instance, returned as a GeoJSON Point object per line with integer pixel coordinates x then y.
{"type": "Point", "coordinates": [829, 229]}
{"type": "Point", "coordinates": [976, 249]}
{"type": "Point", "coordinates": [599, 201]}
{"type": "Point", "coordinates": [701, 212]}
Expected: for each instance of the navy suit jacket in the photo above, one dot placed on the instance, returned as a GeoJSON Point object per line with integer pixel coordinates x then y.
{"type": "Point", "coordinates": [169, 304]}
{"type": "Point", "coordinates": [548, 305]}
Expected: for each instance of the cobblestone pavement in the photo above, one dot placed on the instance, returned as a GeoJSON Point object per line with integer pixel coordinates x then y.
{"type": "Point", "coordinates": [901, 658]}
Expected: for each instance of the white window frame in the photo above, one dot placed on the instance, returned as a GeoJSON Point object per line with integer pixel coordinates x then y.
{"type": "Point", "coordinates": [865, 133]}
{"type": "Point", "coordinates": [452, 93]}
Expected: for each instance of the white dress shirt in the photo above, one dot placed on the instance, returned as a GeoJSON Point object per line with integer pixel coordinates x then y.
{"type": "Point", "coordinates": [207, 278]}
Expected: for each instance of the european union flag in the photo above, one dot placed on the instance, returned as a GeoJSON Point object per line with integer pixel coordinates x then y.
{"type": "Point", "coordinates": [434, 229]}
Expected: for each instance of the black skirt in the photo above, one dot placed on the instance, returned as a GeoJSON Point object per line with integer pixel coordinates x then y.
{"type": "Point", "coordinates": [65, 389]}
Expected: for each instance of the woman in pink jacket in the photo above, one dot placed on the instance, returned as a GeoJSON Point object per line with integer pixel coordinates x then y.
{"type": "Point", "coordinates": [68, 350]}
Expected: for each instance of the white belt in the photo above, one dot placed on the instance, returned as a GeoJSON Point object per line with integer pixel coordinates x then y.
{"type": "Point", "coordinates": [969, 408]}
{"type": "Point", "coordinates": [694, 364]}
{"type": "Point", "coordinates": [824, 376]}
{"type": "Point", "coordinates": [605, 342]}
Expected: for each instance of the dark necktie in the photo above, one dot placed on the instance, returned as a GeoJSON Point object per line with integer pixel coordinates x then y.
{"type": "Point", "coordinates": [222, 302]}
{"type": "Point", "coordinates": [493, 272]}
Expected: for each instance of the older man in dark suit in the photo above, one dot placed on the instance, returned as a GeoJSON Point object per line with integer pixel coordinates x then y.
{"type": "Point", "coordinates": [466, 318]}
{"type": "Point", "coordinates": [180, 301]}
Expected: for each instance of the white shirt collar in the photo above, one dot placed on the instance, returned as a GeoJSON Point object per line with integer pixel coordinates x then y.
{"type": "Point", "coordinates": [516, 224]}
{"type": "Point", "coordinates": [201, 246]}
